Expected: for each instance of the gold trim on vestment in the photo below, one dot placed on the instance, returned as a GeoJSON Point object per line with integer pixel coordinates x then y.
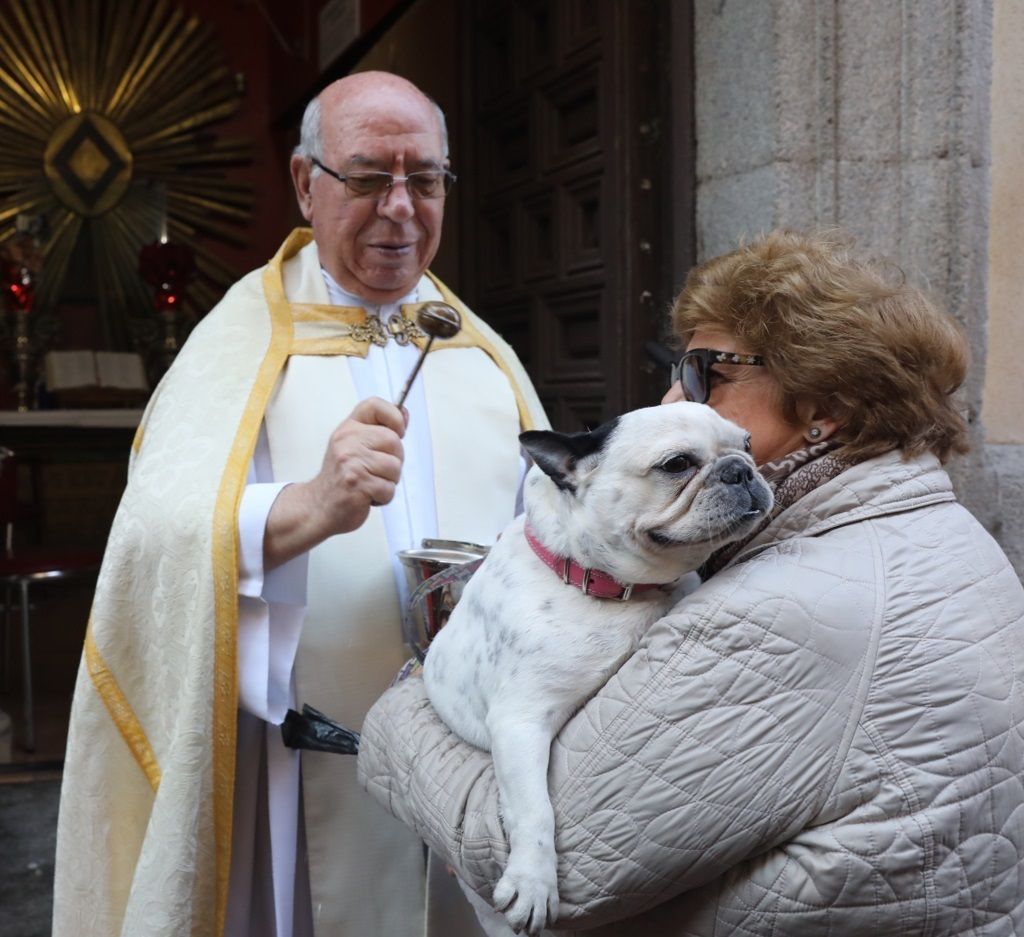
{"type": "Point", "coordinates": [326, 346]}
{"type": "Point", "coordinates": [469, 335]}
{"type": "Point", "coordinates": [225, 572]}
{"type": "Point", "coordinates": [313, 312]}
{"type": "Point", "coordinates": [121, 712]}
{"type": "Point", "coordinates": [351, 329]}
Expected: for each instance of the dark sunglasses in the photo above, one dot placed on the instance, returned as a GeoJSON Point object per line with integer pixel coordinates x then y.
{"type": "Point", "coordinates": [693, 370]}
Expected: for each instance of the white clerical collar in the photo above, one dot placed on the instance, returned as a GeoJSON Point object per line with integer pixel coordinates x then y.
{"type": "Point", "coordinates": [339, 296]}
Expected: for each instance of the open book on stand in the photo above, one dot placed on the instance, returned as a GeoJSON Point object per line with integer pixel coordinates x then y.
{"type": "Point", "coordinates": [95, 378]}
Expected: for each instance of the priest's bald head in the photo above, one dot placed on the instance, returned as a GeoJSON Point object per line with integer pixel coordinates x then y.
{"type": "Point", "coordinates": [371, 175]}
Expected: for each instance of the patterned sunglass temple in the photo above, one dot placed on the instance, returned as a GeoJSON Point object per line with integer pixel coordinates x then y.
{"type": "Point", "coordinates": [695, 365]}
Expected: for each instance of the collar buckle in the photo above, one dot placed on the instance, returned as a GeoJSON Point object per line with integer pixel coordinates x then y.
{"type": "Point", "coordinates": [594, 583]}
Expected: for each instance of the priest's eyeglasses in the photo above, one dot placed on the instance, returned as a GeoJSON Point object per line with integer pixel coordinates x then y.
{"type": "Point", "coordinates": [424, 183]}
{"type": "Point", "coordinates": [694, 370]}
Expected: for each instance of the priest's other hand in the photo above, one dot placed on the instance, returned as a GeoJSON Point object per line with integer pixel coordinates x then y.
{"type": "Point", "coordinates": [361, 467]}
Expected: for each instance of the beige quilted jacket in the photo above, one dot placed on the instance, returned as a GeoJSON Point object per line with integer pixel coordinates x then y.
{"type": "Point", "coordinates": [827, 738]}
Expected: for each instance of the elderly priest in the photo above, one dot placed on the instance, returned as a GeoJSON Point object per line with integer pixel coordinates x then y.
{"type": "Point", "coordinates": [251, 566]}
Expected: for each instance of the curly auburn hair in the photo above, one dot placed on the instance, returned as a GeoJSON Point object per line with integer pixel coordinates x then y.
{"type": "Point", "coordinates": [840, 330]}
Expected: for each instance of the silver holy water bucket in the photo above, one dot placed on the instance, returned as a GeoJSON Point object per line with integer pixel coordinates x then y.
{"type": "Point", "coordinates": [436, 575]}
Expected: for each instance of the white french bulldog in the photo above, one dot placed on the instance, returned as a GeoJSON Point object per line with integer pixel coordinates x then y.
{"type": "Point", "coordinates": [613, 519]}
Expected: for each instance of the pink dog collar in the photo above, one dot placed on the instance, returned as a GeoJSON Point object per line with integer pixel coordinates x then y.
{"type": "Point", "coordinates": [590, 582]}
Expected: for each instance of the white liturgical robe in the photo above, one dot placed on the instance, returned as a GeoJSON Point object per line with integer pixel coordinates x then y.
{"type": "Point", "coordinates": [192, 652]}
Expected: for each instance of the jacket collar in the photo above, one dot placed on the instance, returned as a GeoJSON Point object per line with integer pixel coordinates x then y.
{"type": "Point", "coordinates": [887, 484]}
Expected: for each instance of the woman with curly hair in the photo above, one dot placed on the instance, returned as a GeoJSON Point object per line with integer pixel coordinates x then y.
{"type": "Point", "coordinates": [827, 736]}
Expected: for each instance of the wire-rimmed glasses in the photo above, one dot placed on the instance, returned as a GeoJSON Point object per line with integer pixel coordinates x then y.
{"type": "Point", "coordinates": [371, 183]}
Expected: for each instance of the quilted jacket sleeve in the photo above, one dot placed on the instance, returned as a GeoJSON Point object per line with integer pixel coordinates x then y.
{"type": "Point", "coordinates": [720, 737]}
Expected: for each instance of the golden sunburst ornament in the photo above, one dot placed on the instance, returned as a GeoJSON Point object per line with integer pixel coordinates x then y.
{"type": "Point", "coordinates": [105, 116]}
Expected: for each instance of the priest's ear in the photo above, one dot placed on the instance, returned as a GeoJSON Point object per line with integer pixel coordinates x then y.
{"type": "Point", "coordinates": [302, 178]}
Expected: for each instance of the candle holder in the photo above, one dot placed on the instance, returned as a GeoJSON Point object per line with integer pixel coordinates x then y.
{"type": "Point", "coordinates": [167, 267]}
{"type": "Point", "coordinates": [21, 260]}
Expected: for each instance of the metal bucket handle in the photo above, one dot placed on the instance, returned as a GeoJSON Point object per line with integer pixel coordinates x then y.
{"type": "Point", "coordinates": [460, 573]}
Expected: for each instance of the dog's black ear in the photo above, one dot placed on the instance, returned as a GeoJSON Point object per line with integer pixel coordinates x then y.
{"type": "Point", "coordinates": [557, 454]}
{"type": "Point", "coordinates": [554, 453]}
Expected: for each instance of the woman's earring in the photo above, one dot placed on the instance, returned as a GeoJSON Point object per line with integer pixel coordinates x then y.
{"type": "Point", "coordinates": [814, 432]}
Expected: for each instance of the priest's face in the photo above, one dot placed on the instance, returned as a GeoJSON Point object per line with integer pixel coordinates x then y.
{"type": "Point", "coordinates": [376, 247]}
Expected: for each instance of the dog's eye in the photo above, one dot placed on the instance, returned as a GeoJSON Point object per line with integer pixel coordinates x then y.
{"type": "Point", "coordinates": [746, 443]}
{"type": "Point", "coordinates": [676, 465]}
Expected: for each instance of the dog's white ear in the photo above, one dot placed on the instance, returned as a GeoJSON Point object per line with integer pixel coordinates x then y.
{"type": "Point", "coordinates": [558, 454]}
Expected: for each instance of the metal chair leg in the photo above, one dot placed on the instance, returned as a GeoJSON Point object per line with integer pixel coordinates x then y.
{"type": "Point", "coordinates": [8, 592]}
{"type": "Point", "coordinates": [30, 728]}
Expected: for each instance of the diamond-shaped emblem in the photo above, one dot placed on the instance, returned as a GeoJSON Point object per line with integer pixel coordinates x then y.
{"type": "Point", "coordinates": [88, 163]}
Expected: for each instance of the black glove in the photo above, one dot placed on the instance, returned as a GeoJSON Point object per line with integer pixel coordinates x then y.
{"type": "Point", "coordinates": [313, 731]}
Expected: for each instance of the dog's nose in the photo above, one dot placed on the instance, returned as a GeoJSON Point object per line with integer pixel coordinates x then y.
{"type": "Point", "coordinates": [734, 471]}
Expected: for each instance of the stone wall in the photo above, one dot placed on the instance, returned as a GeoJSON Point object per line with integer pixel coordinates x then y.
{"type": "Point", "coordinates": [874, 116]}
{"type": "Point", "coordinates": [1002, 409]}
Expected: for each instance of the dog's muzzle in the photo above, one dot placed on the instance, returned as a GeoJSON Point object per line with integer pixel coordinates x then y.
{"type": "Point", "coordinates": [737, 473]}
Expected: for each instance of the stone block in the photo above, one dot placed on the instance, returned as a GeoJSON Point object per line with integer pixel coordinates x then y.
{"type": "Point", "coordinates": [1005, 516]}
{"type": "Point", "coordinates": [732, 207]}
{"type": "Point", "coordinates": [868, 203]}
{"type": "Point", "coordinates": [927, 223]}
{"type": "Point", "coordinates": [868, 65]}
{"type": "Point", "coordinates": [735, 104]}
{"type": "Point", "coordinates": [804, 93]}
{"type": "Point", "coordinates": [796, 195]}
{"type": "Point", "coordinates": [930, 80]}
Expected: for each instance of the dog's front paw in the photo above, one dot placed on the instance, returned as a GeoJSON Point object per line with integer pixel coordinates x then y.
{"type": "Point", "coordinates": [528, 896]}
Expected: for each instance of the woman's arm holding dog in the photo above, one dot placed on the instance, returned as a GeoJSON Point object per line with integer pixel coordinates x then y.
{"type": "Point", "coordinates": [720, 737]}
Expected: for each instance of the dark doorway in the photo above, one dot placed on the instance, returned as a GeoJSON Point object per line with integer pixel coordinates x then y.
{"type": "Point", "coordinates": [577, 214]}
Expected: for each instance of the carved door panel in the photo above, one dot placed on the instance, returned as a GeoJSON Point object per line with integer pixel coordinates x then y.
{"type": "Point", "coordinates": [563, 247]}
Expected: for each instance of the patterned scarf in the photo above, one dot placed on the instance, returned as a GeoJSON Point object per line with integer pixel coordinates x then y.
{"type": "Point", "coordinates": [790, 478]}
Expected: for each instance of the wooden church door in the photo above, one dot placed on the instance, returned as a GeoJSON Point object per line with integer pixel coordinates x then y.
{"type": "Point", "coordinates": [573, 214]}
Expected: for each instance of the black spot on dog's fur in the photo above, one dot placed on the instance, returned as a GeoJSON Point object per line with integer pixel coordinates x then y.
{"type": "Point", "coordinates": [478, 610]}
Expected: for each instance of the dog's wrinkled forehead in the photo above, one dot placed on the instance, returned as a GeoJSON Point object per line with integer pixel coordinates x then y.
{"type": "Point", "coordinates": [691, 428]}
{"type": "Point", "coordinates": [634, 441]}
